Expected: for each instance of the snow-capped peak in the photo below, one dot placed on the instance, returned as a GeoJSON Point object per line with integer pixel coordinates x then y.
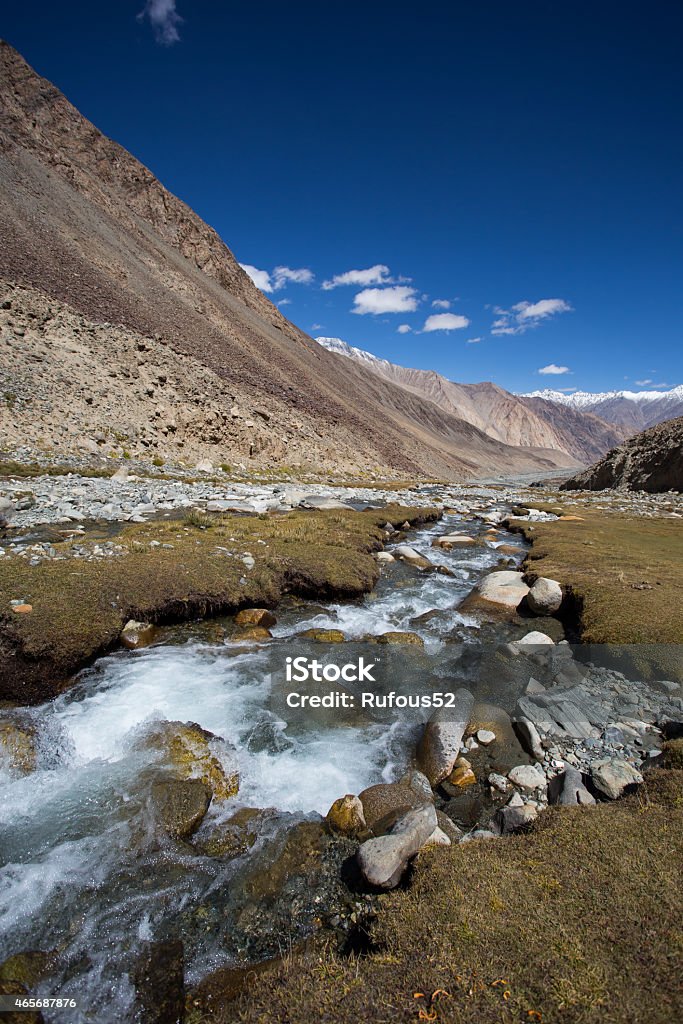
{"type": "Point", "coordinates": [584, 399]}
{"type": "Point", "coordinates": [342, 348]}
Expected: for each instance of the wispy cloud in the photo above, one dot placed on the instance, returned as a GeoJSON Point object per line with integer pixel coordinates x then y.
{"type": "Point", "coordinates": [379, 274]}
{"type": "Point", "coordinates": [525, 315]}
{"type": "Point", "coordinates": [652, 384]}
{"type": "Point", "coordinates": [399, 299]}
{"type": "Point", "coordinates": [404, 328]}
{"type": "Point", "coordinates": [273, 281]}
{"type": "Point", "coordinates": [164, 19]}
{"type": "Point", "coordinates": [474, 341]}
{"type": "Point", "coordinates": [441, 304]}
{"type": "Point", "coordinates": [553, 368]}
{"type": "Point", "coordinates": [445, 322]}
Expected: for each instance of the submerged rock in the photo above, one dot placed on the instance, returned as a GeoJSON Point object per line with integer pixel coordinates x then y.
{"type": "Point", "coordinates": [159, 982]}
{"type": "Point", "coordinates": [18, 749]}
{"type": "Point", "coordinates": [323, 636]}
{"type": "Point", "coordinates": [135, 635]}
{"type": "Point", "coordinates": [233, 837]}
{"type": "Point", "coordinates": [382, 861]}
{"type": "Point", "coordinates": [190, 752]}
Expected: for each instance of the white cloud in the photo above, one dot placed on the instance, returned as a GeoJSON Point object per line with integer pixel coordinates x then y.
{"type": "Point", "coordinates": [285, 275]}
{"type": "Point", "coordinates": [281, 276]}
{"type": "Point", "coordinates": [379, 274]}
{"type": "Point", "coordinates": [316, 327]}
{"type": "Point", "coordinates": [474, 341]}
{"type": "Point", "coordinates": [553, 369]}
{"type": "Point", "coordinates": [284, 302]}
{"type": "Point", "coordinates": [164, 20]}
{"type": "Point", "coordinates": [642, 383]}
{"type": "Point", "coordinates": [441, 304]}
{"type": "Point", "coordinates": [398, 299]}
{"type": "Point", "coordinates": [404, 328]}
{"type": "Point", "coordinates": [261, 278]}
{"type": "Point", "coordinates": [445, 322]}
{"type": "Point", "coordinates": [525, 315]}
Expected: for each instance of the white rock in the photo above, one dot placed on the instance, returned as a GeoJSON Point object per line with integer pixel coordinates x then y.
{"type": "Point", "coordinates": [505, 588]}
{"type": "Point", "coordinates": [527, 777]}
{"type": "Point", "coordinates": [536, 638]}
{"type": "Point", "coordinates": [614, 778]}
{"type": "Point", "coordinates": [485, 736]}
{"type": "Point", "coordinates": [385, 556]}
{"type": "Point", "coordinates": [545, 596]}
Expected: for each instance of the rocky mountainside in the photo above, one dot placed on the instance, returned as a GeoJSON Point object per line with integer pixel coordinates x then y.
{"type": "Point", "coordinates": [122, 311]}
{"type": "Point", "coordinates": [632, 410]}
{"type": "Point", "coordinates": [523, 422]}
{"type": "Point", "coordinates": [651, 461]}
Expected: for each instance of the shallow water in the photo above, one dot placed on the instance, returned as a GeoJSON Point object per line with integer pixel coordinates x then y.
{"type": "Point", "coordinates": [84, 872]}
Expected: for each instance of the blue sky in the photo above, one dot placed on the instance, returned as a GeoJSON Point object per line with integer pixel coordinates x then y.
{"type": "Point", "coordinates": [515, 166]}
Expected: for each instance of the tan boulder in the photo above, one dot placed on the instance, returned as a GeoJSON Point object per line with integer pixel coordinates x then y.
{"type": "Point", "coordinates": [255, 617]}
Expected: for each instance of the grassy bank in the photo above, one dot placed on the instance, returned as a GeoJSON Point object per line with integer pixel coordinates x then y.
{"type": "Point", "coordinates": [80, 606]}
{"type": "Point", "coordinates": [623, 573]}
{"type": "Point", "coordinates": [577, 922]}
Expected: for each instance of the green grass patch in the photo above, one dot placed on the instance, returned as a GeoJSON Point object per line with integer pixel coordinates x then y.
{"type": "Point", "coordinates": [79, 607]}
{"type": "Point", "coordinates": [577, 922]}
{"type": "Point", "coordinates": [623, 572]}
{"type": "Point", "coordinates": [10, 468]}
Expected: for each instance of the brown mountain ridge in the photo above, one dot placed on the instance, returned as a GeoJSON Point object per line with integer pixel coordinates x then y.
{"type": "Point", "coordinates": [126, 317]}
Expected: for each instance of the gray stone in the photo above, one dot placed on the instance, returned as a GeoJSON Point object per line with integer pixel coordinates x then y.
{"type": "Point", "coordinates": [440, 744]}
{"type": "Point", "coordinates": [545, 596]}
{"type": "Point", "coordinates": [613, 778]}
{"type": "Point", "coordinates": [567, 789]}
{"type": "Point", "coordinates": [527, 778]}
{"type": "Point", "coordinates": [528, 736]}
{"type": "Point", "coordinates": [410, 555]}
{"type": "Point", "coordinates": [512, 819]}
{"type": "Point", "coordinates": [382, 861]}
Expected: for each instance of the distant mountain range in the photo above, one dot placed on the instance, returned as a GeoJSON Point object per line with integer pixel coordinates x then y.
{"type": "Point", "coordinates": [634, 410]}
{"type": "Point", "coordinates": [525, 422]}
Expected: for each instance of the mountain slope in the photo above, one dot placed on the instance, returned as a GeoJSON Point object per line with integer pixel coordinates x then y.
{"type": "Point", "coordinates": [650, 461]}
{"type": "Point", "coordinates": [523, 422]}
{"type": "Point", "coordinates": [84, 224]}
{"type": "Point", "coordinates": [633, 410]}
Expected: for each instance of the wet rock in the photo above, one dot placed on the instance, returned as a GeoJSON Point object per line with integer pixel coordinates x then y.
{"type": "Point", "coordinates": [135, 635]}
{"type": "Point", "coordinates": [190, 752]}
{"type": "Point", "coordinates": [568, 790]}
{"type": "Point", "coordinates": [253, 634]}
{"type": "Point", "coordinates": [213, 997]}
{"type": "Point", "coordinates": [527, 778]}
{"type": "Point", "coordinates": [179, 806]}
{"type": "Point", "coordinates": [615, 778]}
{"type": "Point", "coordinates": [407, 554]}
{"type": "Point", "coordinates": [385, 556]}
{"type": "Point", "coordinates": [233, 837]}
{"type": "Point", "coordinates": [439, 747]}
{"type": "Point", "coordinates": [545, 596]}
{"type": "Point", "coordinates": [346, 816]}
{"type": "Point", "coordinates": [159, 983]}
{"type": "Point", "coordinates": [452, 540]}
{"type": "Point", "coordinates": [255, 617]}
{"type": "Point", "coordinates": [400, 637]}
{"type": "Point", "coordinates": [28, 968]}
{"type": "Point", "coordinates": [323, 636]}
{"type": "Point", "coordinates": [382, 861]}
{"type": "Point", "coordinates": [18, 749]}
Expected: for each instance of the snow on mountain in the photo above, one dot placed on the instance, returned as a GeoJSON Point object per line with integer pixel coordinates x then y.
{"type": "Point", "coordinates": [582, 399]}
{"type": "Point", "coordinates": [634, 410]}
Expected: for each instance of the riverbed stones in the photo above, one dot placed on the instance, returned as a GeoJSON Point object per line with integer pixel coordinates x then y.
{"type": "Point", "coordinates": [441, 740]}
{"type": "Point", "coordinates": [346, 816]}
{"type": "Point", "coordinates": [382, 861]}
{"type": "Point", "coordinates": [515, 817]}
{"type": "Point", "coordinates": [529, 738]}
{"type": "Point", "coordinates": [253, 635]}
{"type": "Point", "coordinates": [400, 637]}
{"type": "Point", "coordinates": [256, 617]}
{"type": "Point", "coordinates": [452, 540]}
{"type": "Point", "coordinates": [568, 790]}
{"type": "Point", "coordinates": [545, 596]}
{"type": "Point", "coordinates": [615, 778]}
{"type": "Point", "coordinates": [135, 635]}
{"type": "Point", "coordinates": [528, 778]}
{"type": "Point", "coordinates": [485, 736]}
{"type": "Point", "coordinates": [383, 803]}
{"type": "Point", "coordinates": [179, 805]}
{"type": "Point", "coordinates": [323, 636]}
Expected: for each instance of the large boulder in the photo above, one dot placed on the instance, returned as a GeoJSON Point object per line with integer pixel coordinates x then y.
{"type": "Point", "coordinates": [385, 802]}
{"type": "Point", "coordinates": [500, 591]}
{"type": "Point", "coordinates": [452, 540]}
{"type": "Point", "coordinates": [382, 861]}
{"type": "Point", "coordinates": [439, 747]}
{"type": "Point", "coordinates": [615, 778]}
{"type": "Point", "coordinates": [545, 596]}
